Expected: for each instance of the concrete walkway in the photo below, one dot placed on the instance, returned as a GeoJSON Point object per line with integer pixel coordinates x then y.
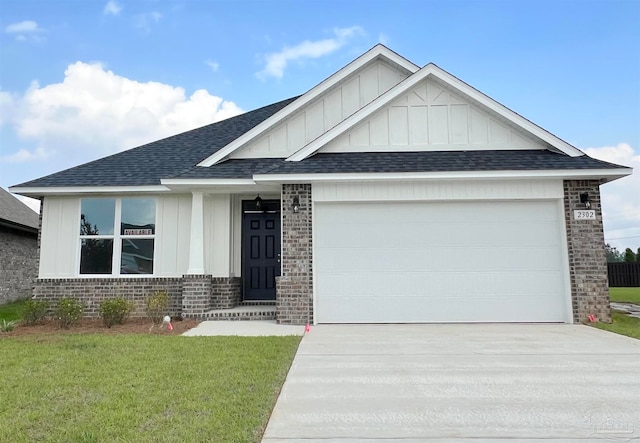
{"type": "Point", "coordinates": [631, 309]}
{"type": "Point", "coordinates": [253, 328]}
{"type": "Point", "coordinates": [472, 383]}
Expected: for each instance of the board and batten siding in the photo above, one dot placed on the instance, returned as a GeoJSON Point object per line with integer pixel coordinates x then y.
{"type": "Point", "coordinates": [217, 235]}
{"type": "Point", "coordinates": [325, 112]}
{"type": "Point", "coordinates": [59, 237]}
{"type": "Point", "coordinates": [438, 190]}
{"type": "Point", "coordinates": [59, 250]}
{"type": "Point", "coordinates": [430, 117]}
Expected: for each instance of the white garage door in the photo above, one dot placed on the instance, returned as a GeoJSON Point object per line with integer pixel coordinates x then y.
{"type": "Point", "coordinates": [438, 262]}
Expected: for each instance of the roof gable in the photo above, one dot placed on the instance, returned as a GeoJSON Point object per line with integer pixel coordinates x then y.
{"type": "Point", "coordinates": [431, 117]}
{"type": "Point", "coordinates": [329, 102]}
{"type": "Point", "coordinates": [460, 89]}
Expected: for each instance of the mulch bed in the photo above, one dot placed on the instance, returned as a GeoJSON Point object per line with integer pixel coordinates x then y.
{"type": "Point", "coordinates": [95, 326]}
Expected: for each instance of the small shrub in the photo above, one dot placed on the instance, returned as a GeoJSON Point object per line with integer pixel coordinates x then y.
{"type": "Point", "coordinates": [34, 311]}
{"type": "Point", "coordinates": [115, 311]}
{"type": "Point", "coordinates": [157, 306]}
{"type": "Point", "coordinates": [7, 325]}
{"type": "Point", "coordinates": [68, 312]}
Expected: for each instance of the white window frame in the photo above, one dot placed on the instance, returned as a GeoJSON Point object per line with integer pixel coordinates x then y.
{"type": "Point", "coordinates": [116, 257]}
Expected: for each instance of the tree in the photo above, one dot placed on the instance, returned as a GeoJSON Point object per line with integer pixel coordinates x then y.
{"type": "Point", "coordinates": [638, 254]}
{"type": "Point", "coordinates": [629, 256]}
{"type": "Point", "coordinates": [613, 255]}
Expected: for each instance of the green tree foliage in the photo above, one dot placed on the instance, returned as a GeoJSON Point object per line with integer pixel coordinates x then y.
{"type": "Point", "coordinates": [629, 256]}
{"type": "Point", "coordinates": [613, 255]}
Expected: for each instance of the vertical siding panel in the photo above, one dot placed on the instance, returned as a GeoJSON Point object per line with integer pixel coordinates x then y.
{"type": "Point", "coordinates": [438, 125]}
{"type": "Point", "coordinates": [399, 126]}
{"type": "Point", "coordinates": [459, 124]}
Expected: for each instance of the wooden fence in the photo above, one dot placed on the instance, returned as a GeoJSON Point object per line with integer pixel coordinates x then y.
{"type": "Point", "coordinates": [624, 274]}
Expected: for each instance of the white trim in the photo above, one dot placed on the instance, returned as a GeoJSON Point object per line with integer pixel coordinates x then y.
{"type": "Point", "coordinates": [566, 270]}
{"type": "Point", "coordinates": [206, 181]}
{"type": "Point", "coordinates": [378, 51]}
{"type": "Point", "coordinates": [611, 174]}
{"type": "Point", "coordinates": [87, 190]}
{"type": "Point", "coordinates": [431, 70]}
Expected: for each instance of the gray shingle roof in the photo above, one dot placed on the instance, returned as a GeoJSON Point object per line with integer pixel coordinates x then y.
{"type": "Point", "coordinates": [15, 213]}
{"type": "Point", "coordinates": [425, 161]}
{"type": "Point", "coordinates": [177, 157]}
{"type": "Point", "coordinates": [147, 164]}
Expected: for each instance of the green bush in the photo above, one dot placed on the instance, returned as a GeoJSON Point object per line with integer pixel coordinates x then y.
{"type": "Point", "coordinates": [114, 311]}
{"type": "Point", "coordinates": [7, 325]}
{"type": "Point", "coordinates": [157, 306]}
{"type": "Point", "coordinates": [68, 312]}
{"type": "Point", "coordinates": [33, 311]}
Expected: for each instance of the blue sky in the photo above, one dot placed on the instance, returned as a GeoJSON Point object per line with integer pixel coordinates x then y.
{"type": "Point", "coordinates": [83, 79]}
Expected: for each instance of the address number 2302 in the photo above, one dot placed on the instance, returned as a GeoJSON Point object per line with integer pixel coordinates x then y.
{"type": "Point", "coordinates": [585, 214]}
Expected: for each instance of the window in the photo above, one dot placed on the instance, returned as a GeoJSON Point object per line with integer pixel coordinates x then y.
{"type": "Point", "coordinates": [105, 249]}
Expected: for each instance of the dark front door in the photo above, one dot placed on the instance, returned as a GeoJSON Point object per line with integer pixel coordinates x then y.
{"type": "Point", "coordinates": [260, 253]}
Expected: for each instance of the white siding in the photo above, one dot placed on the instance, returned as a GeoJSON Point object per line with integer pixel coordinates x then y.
{"type": "Point", "coordinates": [325, 112]}
{"type": "Point", "coordinates": [431, 117]}
{"type": "Point", "coordinates": [217, 235]}
{"type": "Point", "coordinates": [437, 190]}
{"type": "Point", "coordinates": [172, 235]}
{"type": "Point", "coordinates": [59, 245]}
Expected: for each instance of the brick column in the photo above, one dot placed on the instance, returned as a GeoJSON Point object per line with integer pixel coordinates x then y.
{"type": "Point", "coordinates": [587, 256]}
{"type": "Point", "coordinates": [225, 292]}
{"type": "Point", "coordinates": [196, 295]}
{"type": "Point", "coordinates": [294, 299]}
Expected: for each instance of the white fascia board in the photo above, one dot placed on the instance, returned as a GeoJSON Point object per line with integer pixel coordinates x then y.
{"type": "Point", "coordinates": [207, 182]}
{"type": "Point", "coordinates": [456, 84]}
{"type": "Point", "coordinates": [375, 52]}
{"type": "Point", "coordinates": [60, 190]}
{"type": "Point", "coordinates": [575, 174]}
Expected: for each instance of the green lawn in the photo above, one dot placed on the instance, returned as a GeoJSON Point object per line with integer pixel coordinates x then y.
{"type": "Point", "coordinates": [11, 311]}
{"type": "Point", "coordinates": [621, 324]}
{"type": "Point", "coordinates": [121, 388]}
{"type": "Point", "coordinates": [630, 295]}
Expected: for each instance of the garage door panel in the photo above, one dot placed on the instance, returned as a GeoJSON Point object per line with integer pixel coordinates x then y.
{"type": "Point", "coordinates": [466, 261]}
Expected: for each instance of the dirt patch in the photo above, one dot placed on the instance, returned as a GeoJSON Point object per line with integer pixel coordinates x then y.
{"type": "Point", "coordinates": [95, 326]}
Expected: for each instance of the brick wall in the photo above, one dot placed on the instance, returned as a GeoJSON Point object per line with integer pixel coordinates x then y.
{"type": "Point", "coordinates": [92, 291]}
{"type": "Point", "coordinates": [225, 292]}
{"type": "Point", "coordinates": [587, 256]}
{"type": "Point", "coordinates": [196, 295]}
{"type": "Point", "coordinates": [18, 264]}
{"type": "Point", "coordinates": [294, 299]}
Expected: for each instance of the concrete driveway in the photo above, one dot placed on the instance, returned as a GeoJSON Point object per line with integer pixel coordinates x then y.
{"type": "Point", "coordinates": [484, 382]}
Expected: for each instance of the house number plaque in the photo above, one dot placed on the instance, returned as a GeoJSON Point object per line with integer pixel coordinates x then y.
{"type": "Point", "coordinates": [584, 214]}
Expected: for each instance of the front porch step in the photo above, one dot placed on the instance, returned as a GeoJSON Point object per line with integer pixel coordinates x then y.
{"type": "Point", "coordinates": [258, 303]}
{"type": "Point", "coordinates": [267, 312]}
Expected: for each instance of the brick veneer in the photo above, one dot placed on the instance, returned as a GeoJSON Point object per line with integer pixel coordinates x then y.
{"type": "Point", "coordinates": [294, 299]}
{"type": "Point", "coordinates": [18, 264]}
{"type": "Point", "coordinates": [92, 291]}
{"type": "Point", "coordinates": [587, 256]}
{"type": "Point", "coordinates": [196, 295]}
{"type": "Point", "coordinates": [225, 292]}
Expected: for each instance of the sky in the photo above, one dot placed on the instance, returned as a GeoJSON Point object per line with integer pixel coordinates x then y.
{"type": "Point", "coordinates": [80, 80]}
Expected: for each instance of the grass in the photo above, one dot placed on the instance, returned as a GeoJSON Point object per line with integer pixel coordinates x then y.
{"type": "Point", "coordinates": [11, 311]}
{"type": "Point", "coordinates": [621, 324]}
{"type": "Point", "coordinates": [629, 295]}
{"type": "Point", "coordinates": [99, 388]}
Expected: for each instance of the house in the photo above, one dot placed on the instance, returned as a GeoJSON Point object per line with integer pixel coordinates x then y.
{"type": "Point", "coordinates": [18, 248]}
{"type": "Point", "coordinates": [387, 193]}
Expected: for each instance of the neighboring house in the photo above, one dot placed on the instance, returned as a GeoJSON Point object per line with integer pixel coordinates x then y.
{"type": "Point", "coordinates": [18, 248]}
{"type": "Point", "coordinates": [387, 193]}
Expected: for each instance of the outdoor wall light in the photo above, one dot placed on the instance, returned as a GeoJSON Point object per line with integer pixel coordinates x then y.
{"type": "Point", "coordinates": [258, 202]}
{"type": "Point", "coordinates": [296, 204]}
{"type": "Point", "coordinates": [584, 199]}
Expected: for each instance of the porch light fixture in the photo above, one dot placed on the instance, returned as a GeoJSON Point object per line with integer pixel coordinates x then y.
{"type": "Point", "coordinates": [258, 202]}
{"type": "Point", "coordinates": [296, 204]}
{"type": "Point", "coordinates": [584, 199]}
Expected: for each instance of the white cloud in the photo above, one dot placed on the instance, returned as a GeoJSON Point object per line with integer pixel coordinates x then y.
{"type": "Point", "coordinates": [276, 63]}
{"type": "Point", "coordinates": [25, 30]}
{"type": "Point", "coordinates": [621, 198]}
{"type": "Point", "coordinates": [112, 7]}
{"type": "Point", "coordinates": [94, 112]}
{"type": "Point", "coordinates": [213, 65]}
{"type": "Point", "coordinates": [144, 21]}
